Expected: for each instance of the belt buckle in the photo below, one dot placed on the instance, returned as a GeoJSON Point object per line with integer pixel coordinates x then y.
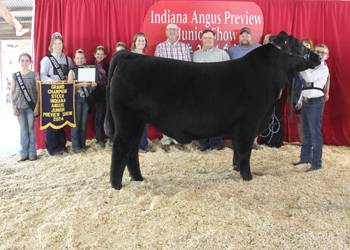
{"type": "Point", "coordinates": [82, 94]}
{"type": "Point", "coordinates": [305, 100]}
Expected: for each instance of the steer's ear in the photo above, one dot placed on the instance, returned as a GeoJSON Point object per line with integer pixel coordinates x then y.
{"type": "Point", "coordinates": [282, 40]}
{"type": "Point", "coordinates": [289, 40]}
{"type": "Point", "coordinates": [283, 35]}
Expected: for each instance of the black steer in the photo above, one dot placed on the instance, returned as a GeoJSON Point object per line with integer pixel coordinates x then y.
{"type": "Point", "coordinates": [188, 101]}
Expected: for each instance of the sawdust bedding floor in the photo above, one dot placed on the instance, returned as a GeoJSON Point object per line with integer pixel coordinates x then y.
{"type": "Point", "coordinates": [188, 200]}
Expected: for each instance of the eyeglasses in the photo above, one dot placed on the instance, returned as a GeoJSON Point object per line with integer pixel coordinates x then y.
{"type": "Point", "coordinates": [321, 52]}
{"type": "Point", "coordinates": [170, 29]}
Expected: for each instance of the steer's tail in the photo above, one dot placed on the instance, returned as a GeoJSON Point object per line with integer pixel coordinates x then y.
{"type": "Point", "coordinates": [116, 58]}
{"type": "Point", "coordinates": [109, 125]}
{"type": "Point", "coordinates": [109, 122]}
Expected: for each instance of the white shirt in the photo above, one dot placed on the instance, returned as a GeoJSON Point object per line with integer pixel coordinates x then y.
{"type": "Point", "coordinates": [212, 55]}
{"type": "Point", "coordinates": [319, 77]}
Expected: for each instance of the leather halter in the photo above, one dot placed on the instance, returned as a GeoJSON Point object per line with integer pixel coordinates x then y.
{"type": "Point", "coordinates": [306, 57]}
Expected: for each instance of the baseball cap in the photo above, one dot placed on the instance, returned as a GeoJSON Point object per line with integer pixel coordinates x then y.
{"type": "Point", "coordinates": [245, 29]}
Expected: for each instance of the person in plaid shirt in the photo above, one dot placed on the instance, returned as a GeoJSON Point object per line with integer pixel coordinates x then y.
{"type": "Point", "coordinates": [173, 49]}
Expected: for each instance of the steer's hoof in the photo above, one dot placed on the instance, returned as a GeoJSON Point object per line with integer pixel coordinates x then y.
{"type": "Point", "coordinates": [116, 185]}
{"type": "Point", "coordinates": [247, 177]}
{"type": "Point", "coordinates": [136, 178]}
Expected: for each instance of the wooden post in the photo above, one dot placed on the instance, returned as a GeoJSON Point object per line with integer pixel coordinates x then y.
{"type": "Point", "coordinates": [9, 18]}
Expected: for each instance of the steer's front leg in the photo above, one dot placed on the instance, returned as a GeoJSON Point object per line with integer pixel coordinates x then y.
{"type": "Point", "coordinates": [245, 170]}
{"type": "Point", "coordinates": [134, 165]}
{"type": "Point", "coordinates": [243, 141]}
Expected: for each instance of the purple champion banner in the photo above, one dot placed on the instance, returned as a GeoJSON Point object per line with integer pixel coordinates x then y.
{"type": "Point", "coordinates": [57, 104]}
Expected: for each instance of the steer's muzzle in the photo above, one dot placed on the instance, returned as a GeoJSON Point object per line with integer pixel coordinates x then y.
{"type": "Point", "coordinates": [314, 60]}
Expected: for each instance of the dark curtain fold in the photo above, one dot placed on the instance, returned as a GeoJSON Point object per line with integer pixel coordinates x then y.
{"type": "Point", "coordinates": [86, 24]}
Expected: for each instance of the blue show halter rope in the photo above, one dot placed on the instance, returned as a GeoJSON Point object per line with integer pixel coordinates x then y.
{"type": "Point", "coordinates": [271, 127]}
{"type": "Point", "coordinates": [306, 57]}
{"type": "Point", "coordinates": [273, 124]}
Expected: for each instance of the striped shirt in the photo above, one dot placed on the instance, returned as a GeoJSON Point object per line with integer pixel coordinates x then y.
{"type": "Point", "coordinates": [177, 50]}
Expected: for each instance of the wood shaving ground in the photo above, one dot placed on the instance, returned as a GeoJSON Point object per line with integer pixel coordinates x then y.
{"type": "Point", "coordinates": [188, 200]}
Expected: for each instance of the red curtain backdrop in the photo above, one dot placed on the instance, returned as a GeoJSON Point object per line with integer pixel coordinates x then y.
{"type": "Point", "coordinates": [86, 24]}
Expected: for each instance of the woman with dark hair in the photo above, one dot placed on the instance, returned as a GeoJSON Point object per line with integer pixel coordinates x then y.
{"type": "Point", "coordinates": [99, 94]}
{"type": "Point", "coordinates": [55, 139]}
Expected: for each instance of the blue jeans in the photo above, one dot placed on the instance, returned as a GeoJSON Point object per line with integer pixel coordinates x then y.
{"type": "Point", "coordinates": [144, 142]}
{"type": "Point", "coordinates": [99, 121]}
{"type": "Point", "coordinates": [78, 133]}
{"type": "Point", "coordinates": [213, 143]}
{"type": "Point", "coordinates": [311, 150]}
{"type": "Point", "coordinates": [27, 133]}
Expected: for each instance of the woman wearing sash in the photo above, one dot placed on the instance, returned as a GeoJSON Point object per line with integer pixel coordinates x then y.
{"type": "Point", "coordinates": [82, 99]}
{"type": "Point", "coordinates": [55, 139]}
{"type": "Point", "coordinates": [25, 106]}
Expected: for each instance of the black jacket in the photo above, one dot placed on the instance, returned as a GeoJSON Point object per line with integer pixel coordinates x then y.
{"type": "Point", "coordinates": [99, 94]}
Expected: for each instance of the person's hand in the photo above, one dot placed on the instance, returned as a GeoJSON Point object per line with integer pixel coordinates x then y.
{"type": "Point", "coordinates": [288, 99]}
{"type": "Point", "coordinates": [103, 72]}
{"type": "Point", "coordinates": [85, 84]}
{"type": "Point", "coordinates": [36, 110]}
{"type": "Point", "coordinates": [55, 80]}
{"type": "Point", "coordinates": [93, 84]}
{"type": "Point", "coordinates": [298, 106]}
{"type": "Point", "coordinates": [15, 112]}
{"type": "Point", "coordinates": [326, 97]}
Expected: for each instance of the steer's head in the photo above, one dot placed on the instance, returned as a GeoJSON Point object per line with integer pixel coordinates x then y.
{"type": "Point", "coordinates": [302, 57]}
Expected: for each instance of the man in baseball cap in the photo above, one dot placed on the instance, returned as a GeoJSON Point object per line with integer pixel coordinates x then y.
{"type": "Point", "coordinates": [245, 46]}
{"type": "Point", "coordinates": [245, 29]}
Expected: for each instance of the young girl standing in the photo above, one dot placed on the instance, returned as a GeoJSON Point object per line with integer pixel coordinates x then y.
{"type": "Point", "coordinates": [55, 139]}
{"type": "Point", "coordinates": [99, 94]}
{"type": "Point", "coordinates": [121, 46]}
{"type": "Point", "coordinates": [24, 107]}
{"type": "Point", "coordinates": [82, 96]}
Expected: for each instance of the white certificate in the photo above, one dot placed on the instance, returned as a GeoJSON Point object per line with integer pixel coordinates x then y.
{"type": "Point", "coordinates": [87, 73]}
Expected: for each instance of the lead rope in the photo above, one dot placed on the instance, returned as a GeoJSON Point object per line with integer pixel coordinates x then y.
{"type": "Point", "coordinates": [278, 121]}
{"type": "Point", "coordinates": [271, 127]}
